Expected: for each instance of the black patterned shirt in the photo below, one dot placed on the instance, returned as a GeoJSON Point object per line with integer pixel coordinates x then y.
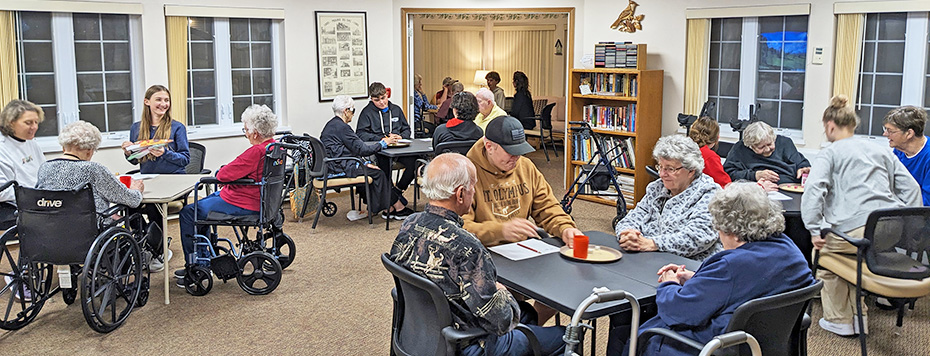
{"type": "Point", "coordinates": [434, 245]}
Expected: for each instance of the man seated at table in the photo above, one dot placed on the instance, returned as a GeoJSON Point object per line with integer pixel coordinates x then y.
{"type": "Point", "coordinates": [380, 119]}
{"type": "Point", "coordinates": [511, 190]}
{"type": "Point", "coordinates": [762, 155]}
{"type": "Point", "coordinates": [487, 109]}
{"type": "Point", "coordinates": [462, 127]}
{"type": "Point", "coordinates": [758, 261]}
{"type": "Point", "coordinates": [904, 127]}
{"type": "Point", "coordinates": [434, 245]}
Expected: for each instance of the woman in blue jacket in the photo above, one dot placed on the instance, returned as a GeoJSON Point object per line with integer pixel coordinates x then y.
{"type": "Point", "coordinates": [157, 124]}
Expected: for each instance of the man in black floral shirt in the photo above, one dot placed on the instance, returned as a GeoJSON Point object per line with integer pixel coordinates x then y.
{"type": "Point", "coordinates": [433, 244]}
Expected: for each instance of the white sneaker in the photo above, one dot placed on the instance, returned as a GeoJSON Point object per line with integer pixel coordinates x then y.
{"type": "Point", "coordinates": [354, 215]}
{"type": "Point", "coordinates": [844, 329]}
{"type": "Point", "coordinates": [155, 265]}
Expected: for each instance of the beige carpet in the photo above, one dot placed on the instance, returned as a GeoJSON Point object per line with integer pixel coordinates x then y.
{"type": "Point", "coordinates": [334, 300]}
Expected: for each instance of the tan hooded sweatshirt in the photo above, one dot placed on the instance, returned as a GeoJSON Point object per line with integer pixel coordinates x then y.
{"type": "Point", "coordinates": [520, 193]}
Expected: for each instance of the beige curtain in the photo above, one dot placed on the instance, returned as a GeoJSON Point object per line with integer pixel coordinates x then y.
{"type": "Point", "coordinates": [455, 54]}
{"type": "Point", "coordinates": [528, 51]}
{"type": "Point", "coordinates": [849, 28]}
{"type": "Point", "coordinates": [697, 63]}
{"type": "Point", "coordinates": [9, 86]}
{"type": "Point", "coordinates": [176, 27]}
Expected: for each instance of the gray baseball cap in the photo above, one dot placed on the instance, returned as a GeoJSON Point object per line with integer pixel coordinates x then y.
{"type": "Point", "coordinates": [508, 132]}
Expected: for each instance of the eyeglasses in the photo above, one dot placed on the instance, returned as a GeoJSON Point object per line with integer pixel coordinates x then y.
{"type": "Point", "coordinates": [244, 130]}
{"type": "Point", "coordinates": [889, 131]}
{"type": "Point", "coordinates": [670, 170]}
{"type": "Point", "coordinates": [352, 110]}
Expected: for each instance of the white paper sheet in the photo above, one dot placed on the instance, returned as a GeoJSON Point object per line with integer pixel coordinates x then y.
{"type": "Point", "coordinates": [524, 249]}
{"type": "Point", "coordinates": [140, 176]}
{"type": "Point", "coordinates": [778, 196]}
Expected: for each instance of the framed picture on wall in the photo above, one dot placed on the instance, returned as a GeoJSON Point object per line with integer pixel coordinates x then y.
{"type": "Point", "coordinates": [342, 54]}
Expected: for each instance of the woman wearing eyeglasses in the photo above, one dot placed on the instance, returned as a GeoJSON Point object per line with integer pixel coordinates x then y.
{"type": "Point", "coordinates": [764, 156]}
{"type": "Point", "coordinates": [673, 216]}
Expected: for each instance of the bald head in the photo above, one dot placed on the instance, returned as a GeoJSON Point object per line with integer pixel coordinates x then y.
{"type": "Point", "coordinates": [449, 182]}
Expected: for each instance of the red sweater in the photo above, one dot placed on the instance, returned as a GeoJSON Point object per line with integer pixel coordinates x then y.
{"type": "Point", "coordinates": [249, 164]}
{"type": "Point", "coordinates": [713, 167]}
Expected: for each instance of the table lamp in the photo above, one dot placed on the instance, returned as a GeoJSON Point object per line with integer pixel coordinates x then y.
{"type": "Point", "coordinates": [479, 77]}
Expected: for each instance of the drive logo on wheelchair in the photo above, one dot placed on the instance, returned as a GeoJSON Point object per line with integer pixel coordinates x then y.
{"type": "Point", "coordinates": [43, 203]}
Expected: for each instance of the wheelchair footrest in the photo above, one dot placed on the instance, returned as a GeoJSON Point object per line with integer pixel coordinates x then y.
{"type": "Point", "coordinates": [224, 266]}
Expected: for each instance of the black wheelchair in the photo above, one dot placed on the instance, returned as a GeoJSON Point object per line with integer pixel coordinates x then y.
{"type": "Point", "coordinates": [256, 264]}
{"type": "Point", "coordinates": [107, 258]}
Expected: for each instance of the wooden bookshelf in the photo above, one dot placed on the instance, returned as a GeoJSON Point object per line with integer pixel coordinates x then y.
{"type": "Point", "coordinates": [646, 123]}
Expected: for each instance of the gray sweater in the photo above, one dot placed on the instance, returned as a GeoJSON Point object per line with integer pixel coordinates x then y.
{"type": "Point", "coordinates": [678, 224]}
{"type": "Point", "coordinates": [65, 174]}
{"type": "Point", "coordinates": [851, 178]}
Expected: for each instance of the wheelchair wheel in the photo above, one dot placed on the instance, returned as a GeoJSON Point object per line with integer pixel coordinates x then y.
{"type": "Point", "coordinates": [284, 247]}
{"type": "Point", "coordinates": [198, 281]}
{"type": "Point", "coordinates": [329, 209]}
{"type": "Point", "coordinates": [34, 279]}
{"type": "Point", "coordinates": [111, 280]}
{"type": "Point", "coordinates": [260, 273]}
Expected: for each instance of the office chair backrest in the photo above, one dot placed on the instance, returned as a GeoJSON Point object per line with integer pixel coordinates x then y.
{"type": "Point", "coordinates": [461, 147]}
{"type": "Point", "coordinates": [545, 118]}
{"type": "Point", "coordinates": [895, 234]}
{"type": "Point", "coordinates": [56, 227]}
{"type": "Point", "coordinates": [198, 153]}
{"type": "Point", "coordinates": [425, 311]}
{"type": "Point", "coordinates": [775, 321]}
{"type": "Point", "coordinates": [274, 179]}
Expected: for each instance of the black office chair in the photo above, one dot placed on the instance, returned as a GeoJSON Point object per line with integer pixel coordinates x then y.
{"type": "Point", "coordinates": [884, 263]}
{"type": "Point", "coordinates": [778, 322]}
{"type": "Point", "coordinates": [323, 183]}
{"type": "Point", "coordinates": [423, 322]}
{"type": "Point", "coordinates": [545, 124]}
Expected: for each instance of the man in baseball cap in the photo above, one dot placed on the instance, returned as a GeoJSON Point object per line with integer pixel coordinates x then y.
{"type": "Point", "coordinates": [510, 190]}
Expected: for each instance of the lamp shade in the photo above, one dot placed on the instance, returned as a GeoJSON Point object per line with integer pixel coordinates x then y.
{"type": "Point", "coordinates": [479, 77]}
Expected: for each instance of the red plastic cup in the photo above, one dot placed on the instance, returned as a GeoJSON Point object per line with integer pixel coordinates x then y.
{"type": "Point", "coordinates": [581, 246]}
{"type": "Point", "coordinates": [126, 180]}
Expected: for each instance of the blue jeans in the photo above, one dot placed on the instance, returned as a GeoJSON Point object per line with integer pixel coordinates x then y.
{"type": "Point", "coordinates": [515, 343]}
{"type": "Point", "coordinates": [212, 202]}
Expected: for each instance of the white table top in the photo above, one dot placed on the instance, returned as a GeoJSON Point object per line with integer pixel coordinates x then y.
{"type": "Point", "coordinates": [169, 187]}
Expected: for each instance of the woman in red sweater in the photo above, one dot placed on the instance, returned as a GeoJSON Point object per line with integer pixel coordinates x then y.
{"type": "Point", "coordinates": [705, 132]}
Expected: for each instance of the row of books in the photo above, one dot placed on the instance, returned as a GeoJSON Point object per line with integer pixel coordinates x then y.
{"type": "Point", "coordinates": [620, 150]}
{"type": "Point", "coordinates": [618, 118]}
{"type": "Point", "coordinates": [626, 189]}
{"type": "Point", "coordinates": [619, 84]}
{"type": "Point", "coordinates": [615, 55]}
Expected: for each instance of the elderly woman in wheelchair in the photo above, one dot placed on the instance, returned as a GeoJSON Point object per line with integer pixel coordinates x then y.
{"type": "Point", "coordinates": [251, 197]}
{"type": "Point", "coordinates": [56, 224]}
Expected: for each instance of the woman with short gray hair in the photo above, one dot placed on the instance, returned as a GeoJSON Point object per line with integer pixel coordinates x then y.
{"type": "Point", "coordinates": [757, 261]}
{"type": "Point", "coordinates": [764, 156]}
{"type": "Point", "coordinates": [80, 140]}
{"type": "Point", "coordinates": [20, 155]}
{"type": "Point", "coordinates": [672, 216]}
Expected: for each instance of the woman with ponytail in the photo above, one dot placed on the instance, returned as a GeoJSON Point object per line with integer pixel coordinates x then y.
{"type": "Point", "coordinates": [849, 179]}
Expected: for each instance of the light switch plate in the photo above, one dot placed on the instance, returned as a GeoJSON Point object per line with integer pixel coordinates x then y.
{"type": "Point", "coordinates": [817, 58]}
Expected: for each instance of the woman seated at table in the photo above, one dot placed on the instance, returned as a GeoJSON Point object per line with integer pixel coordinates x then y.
{"type": "Point", "coordinates": [762, 155]}
{"type": "Point", "coordinates": [757, 261]}
{"type": "Point", "coordinates": [340, 140]}
{"type": "Point", "coordinates": [80, 140]}
{"type": "Point", "coordinates": [706, 133]}
{"type": "Point", "coordinates": [259, 124]}
{"type": "Point", "coordinates": [20, 155]}
{"type": "Point", "coordinates": [851, 178]}
{"type": "Point", "coordinates": [462, 127]}
{"type": "Point", "coordinates": [672, 216]}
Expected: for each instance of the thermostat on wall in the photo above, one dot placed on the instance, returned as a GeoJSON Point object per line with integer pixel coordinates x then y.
{"type": "Point", "coordinates": [818, 56]}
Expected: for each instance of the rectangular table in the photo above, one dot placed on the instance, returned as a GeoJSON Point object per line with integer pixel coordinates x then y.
{"type": "Point", "coordinates": [418, 147]}
{"type": "Point", "coordinates": [161, 190]}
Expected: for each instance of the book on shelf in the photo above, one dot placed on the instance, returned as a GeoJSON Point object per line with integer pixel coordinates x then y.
{"type": "Point", "coordinates": [617, 118]}
{"type": "Point", "coordinates": [619, 151]}
{"type": "Point", "coordinates": [615, 55]}
{"type": "Point", "coordinates": [619, 84]}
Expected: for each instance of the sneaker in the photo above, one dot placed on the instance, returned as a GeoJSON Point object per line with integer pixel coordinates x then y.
{"type": "Point", "coordinates": [401, 215]}
{"type": "Point", "coordinates": [180, 273]}
{"type": "Point", "coordinates": [180, 282]}
{"type": "Point", "coordinates": [884, 304]}
{"type": "Point", "coordinates": [354, 215]}
{"type": "Point", "coordinates": [844, 329]}
{"type": "Point", "coordinates": [157, 265]}
{"type": "Point", "coordinates": [27, 294]}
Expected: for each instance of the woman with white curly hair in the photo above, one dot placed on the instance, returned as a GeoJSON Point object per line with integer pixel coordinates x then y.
{"type": "Point", "coordinates": [80, 141]}
{"type": "Point", "coordinates": [764, 156]}
{"type": "Point", "coordinates": [672, 216]}
{"type": "Point", "coordinates": [758, 260]}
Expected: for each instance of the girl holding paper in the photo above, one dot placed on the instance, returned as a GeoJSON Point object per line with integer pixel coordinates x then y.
{"type": "Point", "coordinates": [156, 124]}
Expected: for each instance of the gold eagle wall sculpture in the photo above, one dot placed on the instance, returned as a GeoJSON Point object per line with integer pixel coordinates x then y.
{"type": "Point", "coordinates": [628, 21]}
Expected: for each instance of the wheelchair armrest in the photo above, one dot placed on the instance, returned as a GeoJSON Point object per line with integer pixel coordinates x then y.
{"type": "Point", "coordinates": [645, 335]}
{"type": "Point", "coordinates": [859, 243]}
{"type": "Point", "coordinates": [114, 209]}
{"type": "Point", "coordinates": [531, 337]}
{"type": "Point", "coordinates": [456, 336]}
{"type": "Point", "coordinates": [213, 180]}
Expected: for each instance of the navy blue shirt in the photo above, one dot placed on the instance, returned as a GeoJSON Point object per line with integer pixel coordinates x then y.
{"type": "Point", "coordinates": [177, 152]}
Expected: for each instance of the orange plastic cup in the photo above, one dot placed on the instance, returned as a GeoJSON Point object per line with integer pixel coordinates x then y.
{"type": "Point", "coordinates": [581, 246]}
{"type": "Point", "coordinates": [126, 180]}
